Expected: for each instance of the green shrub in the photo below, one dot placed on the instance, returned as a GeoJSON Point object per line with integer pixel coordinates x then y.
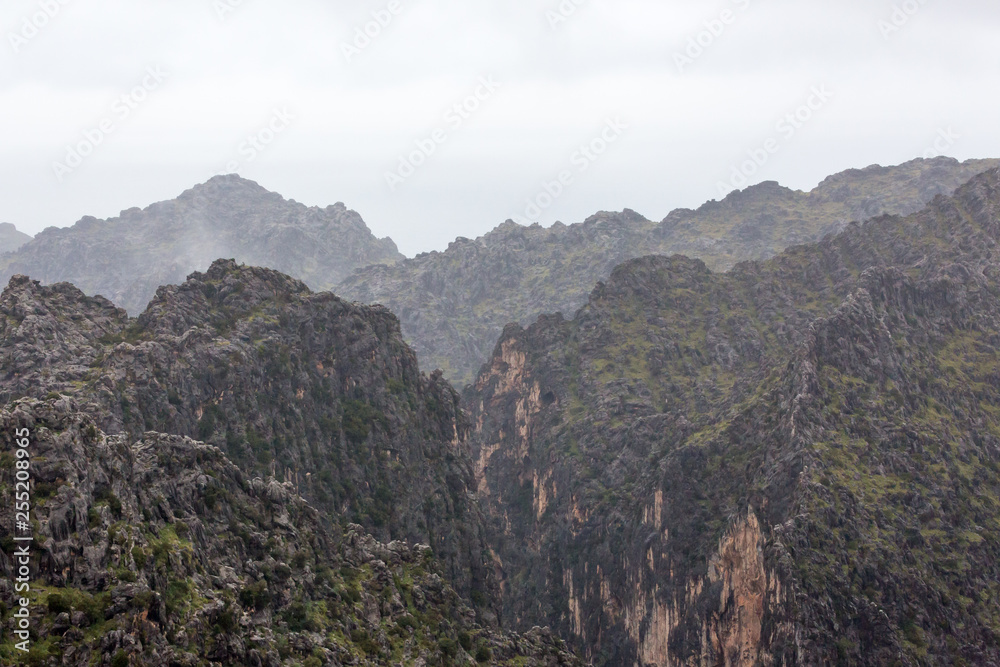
{"type": "Point", "coordinates": [44, 490]}
{"type": "Point", "coordinates": [357, 420]}
{"type": "Point", "coordinates": [363, 640]}
{"type": "Point", "coordinates": [448, 647]}
{"type": "Point", "coordinates": [92, 605]}
{"type": "Point", "coordinates": [206, 425]}
{"type": "Point", "coordinates": [58, 604]}
{"type": "Point", "coordinates": [297, 617]}
{"type": "Point", "coordinates": [105, 495]}
{"type": "Point", "coordinates": [182, 530]}
{"type": "Point", "coordinates": [227, 619]}
{"type": "Point", "coordinates": [177, 596]}
{"type": "Point", "coordinates": [256, 595]}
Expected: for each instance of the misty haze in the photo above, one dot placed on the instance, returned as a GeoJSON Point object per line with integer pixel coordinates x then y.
{"type": "Point", "coordinates": [560, 333]}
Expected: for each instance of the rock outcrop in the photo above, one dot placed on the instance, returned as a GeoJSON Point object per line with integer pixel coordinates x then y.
{"type": "Point", "coordinates": [291, 384]}
{"type": "Point", "coordinates": [793, 463]}
{"type": "Point", "coordinates": [156, 550]}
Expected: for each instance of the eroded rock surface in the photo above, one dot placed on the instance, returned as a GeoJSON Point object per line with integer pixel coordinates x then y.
{"type": "Point", "coordinates": [793, 463]}
{"type": "Point", "coordinates": [290, 384]}
{"type": "Point", "coordinates": [157, 551]}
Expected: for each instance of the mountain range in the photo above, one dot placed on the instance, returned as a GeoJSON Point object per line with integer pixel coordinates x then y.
{"type": "Point", "coordinates": [781, 447]}
{"type": "Point", "coordinates": [795, 462]}
{"type": "Point", "coordinates": [198, 472]}
{"type": "Point", "coordinates": [453, 304]}
{"type": "Point", "coordinates": [126, 258]}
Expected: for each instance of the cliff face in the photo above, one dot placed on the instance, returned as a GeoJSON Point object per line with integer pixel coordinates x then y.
{"type": "Point", "coordinates": [796, 462]}
{"type": "Point", "coordinates": [126, 258]}
{"type": "Point", "coordinates": [156, 550]}
{"type": "Point", "coordinates": [454, 304]}
{"type": "Point", "coordinates": [316, 392]}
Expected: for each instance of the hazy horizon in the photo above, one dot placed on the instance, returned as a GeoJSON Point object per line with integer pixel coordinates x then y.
{"type": "Point", "coordinates": [654, 216]}
{"type": "Point", "coordinates": [299, 99]}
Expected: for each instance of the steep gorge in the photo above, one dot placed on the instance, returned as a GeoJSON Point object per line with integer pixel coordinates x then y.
{"type": "Point", "coordinates": [792, 463]}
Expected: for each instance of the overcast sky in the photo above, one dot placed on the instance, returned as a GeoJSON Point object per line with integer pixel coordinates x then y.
{"type": "Point", "coordinates": [669, 98]}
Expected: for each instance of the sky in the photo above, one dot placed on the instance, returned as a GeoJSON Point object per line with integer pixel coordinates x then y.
{"type": "Point", "coordinates": [438, 119]}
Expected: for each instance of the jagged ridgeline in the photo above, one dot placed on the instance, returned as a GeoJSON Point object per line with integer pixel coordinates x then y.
{"type": "Point", "coordinates": [156, 550]}
{"type": "Point", "coordinates": [321, 394]}
{"type": "Point", "coordinates": [793, 463]}
{"type": "Point", "coordinates": [454, 304]}
{"type": "Point", "coordinates": [126, 258]}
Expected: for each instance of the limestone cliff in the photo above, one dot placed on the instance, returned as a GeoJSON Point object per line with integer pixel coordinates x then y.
{"type": "Point", "coordinates": [793, 463]}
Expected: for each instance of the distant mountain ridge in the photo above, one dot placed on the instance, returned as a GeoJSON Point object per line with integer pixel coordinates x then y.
{"type": "Point", "coordinates": [127, 258]}
{"type": "Point", "coordinates": [11, 238]}
{"type": "Point", "coordinates": [454, 304]}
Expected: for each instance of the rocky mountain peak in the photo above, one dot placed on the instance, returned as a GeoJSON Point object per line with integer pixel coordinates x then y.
{"type": "Point", "coordinates": [226, 292]}
{"type": "Point", "coordinates": [625, 217]}
{"type": "Point", "coordinates": [223, 189]}
{"type": "Point", "coordinates": [128, 257]}
{"type": "Point", "coordinates": [48, 327]}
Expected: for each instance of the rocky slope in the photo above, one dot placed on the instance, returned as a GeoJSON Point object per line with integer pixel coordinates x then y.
{"type": "Point", "coordinates": [794, 463]}
{"type": "Point", "coordinates": [454, 304]}
{"type": "Point", "coordinates": [10, 238]}
{"type": "Point", "coordinates": [292, 384]}
{"type": "Point", "coordinates": [156, 550]}
{"type": "Point", "coordinates": [126, 258]}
